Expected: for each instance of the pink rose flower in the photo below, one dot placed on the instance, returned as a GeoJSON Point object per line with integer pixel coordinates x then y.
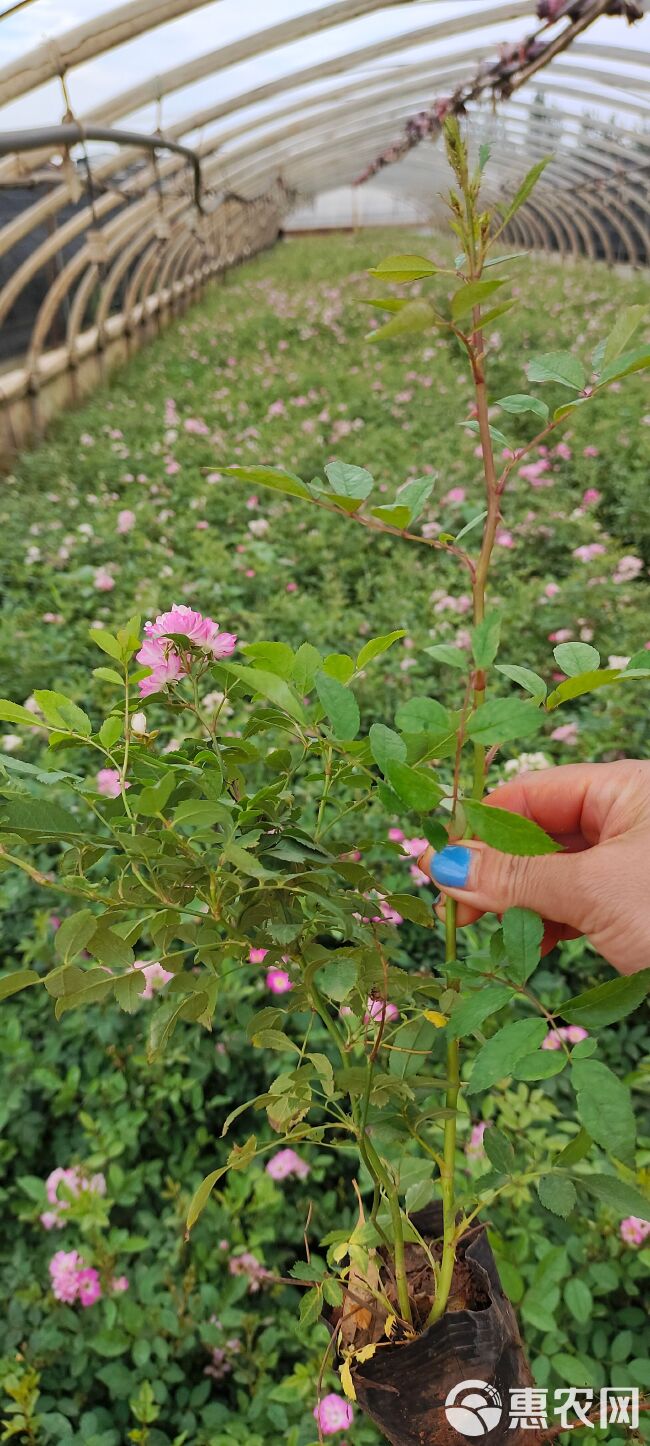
{"type": "Point", "coordinates": [257, 956]}
{"type": "Point", "coordinates": [108, 782]}
{"type": "Point", "coordinates": [64, 1270]}
{"type": "Point", "coordinates": [119, 1284]}
{"type": "Point", "coordinates": [634, 1231]}
{"type": "Point", "coordinates": [155, 976]}
{"type": "Point", "coordinates": [474, 1148]}
{"type": "Point", "coordinates": [378, 1009]}
{"type": "Point", "coordinates": [126, 519]}
{"type": "Point", "coordinates": [103, 580]}
{"type": "Point", "coordinates": [566, 733]}
{"type": "Point", "coordinates": [287, 1162]}
{"type": "Point", "coordinates": [278, 981]}
{"type": "Point", "coordinates": [333, 1414]}
{"type": "Point", "coordinates": [88, 1286]}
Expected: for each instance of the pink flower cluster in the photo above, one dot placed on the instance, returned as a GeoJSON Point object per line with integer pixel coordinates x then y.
{"type": "Point", "coordinates": [159, 652]}
{"type": "Point", "coordinates": [248, 1264]}
{"type": "Point", "coordinates": [333, 1414]}
{"type": "Point", "coordinates": [413, 848]}
{"type": "Point", "coordinates": [73, 1280]}
{"type": "Point", "coordinates": [634, 1231]}
{"type": "Point", "coordinates": [285, 1163]}
{"type": "Point", "coordinates": [378, 1009]}
{"type": "Point", "coordinates": [75, 1183]}
{"type": "Point", "coordinates": [567, 1033]}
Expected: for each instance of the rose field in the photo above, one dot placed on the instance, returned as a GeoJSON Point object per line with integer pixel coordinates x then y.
{"type": "Point", "coordinates": [120, 1324]}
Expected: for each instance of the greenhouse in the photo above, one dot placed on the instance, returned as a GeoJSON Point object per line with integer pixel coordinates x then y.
{"type": "Point", "coordinates": [325, 839]}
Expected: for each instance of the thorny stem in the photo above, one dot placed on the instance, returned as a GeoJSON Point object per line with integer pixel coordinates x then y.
{"type": "Point", "coordinates": [448, 1167]}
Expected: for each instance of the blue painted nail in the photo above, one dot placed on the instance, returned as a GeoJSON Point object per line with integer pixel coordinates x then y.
{"type": "Point", "coordinates": [450, 868]}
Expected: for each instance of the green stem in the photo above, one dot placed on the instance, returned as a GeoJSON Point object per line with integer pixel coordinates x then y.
{"type": "Point", "coordinates": [449, 1149]}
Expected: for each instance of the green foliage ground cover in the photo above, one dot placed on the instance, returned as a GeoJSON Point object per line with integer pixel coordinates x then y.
{"type": "Point", "coordinates": [124, 510]}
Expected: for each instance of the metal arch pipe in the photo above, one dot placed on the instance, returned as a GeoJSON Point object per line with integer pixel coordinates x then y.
{"type": "Point", "coordinates": [73, 134]}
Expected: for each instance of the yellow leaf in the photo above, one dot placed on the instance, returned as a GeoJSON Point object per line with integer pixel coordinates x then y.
{"type": "Point", "coordinates": [391, 1322]}
{"type": "Point", "coordinates": [347, 1382]}
{"type": "Point", "coordinates": [434, 1017]}
{"type": "Point", "coordinates": [366, 1353]}
{"type": "Point", "coordinates": [341, 1251]}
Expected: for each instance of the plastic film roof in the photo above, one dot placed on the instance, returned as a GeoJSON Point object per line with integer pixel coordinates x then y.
{"type": "Point", "coordinates": [192, 126]}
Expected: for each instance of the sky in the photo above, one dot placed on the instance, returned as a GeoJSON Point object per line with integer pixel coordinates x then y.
{"type": "Point", "coordinates": [222, 21]}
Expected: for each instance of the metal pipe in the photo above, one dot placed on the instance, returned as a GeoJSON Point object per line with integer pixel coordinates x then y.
{"type": "Point", "coordinates": [72, 134]}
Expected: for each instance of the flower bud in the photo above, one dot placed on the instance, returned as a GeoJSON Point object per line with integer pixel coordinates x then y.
{"type": "Point", "coordinates": [139, 723]}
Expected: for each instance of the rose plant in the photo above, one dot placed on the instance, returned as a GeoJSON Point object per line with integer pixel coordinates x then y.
{"type": "Point", "coordinates": [239, 830]}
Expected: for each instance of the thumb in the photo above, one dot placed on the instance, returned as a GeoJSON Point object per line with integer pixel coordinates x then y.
{"type": "Point", "coordinates": [554, 885]}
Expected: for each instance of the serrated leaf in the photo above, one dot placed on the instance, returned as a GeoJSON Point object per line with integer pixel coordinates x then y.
{"type": "Point", "coordinates": [496, 1059]}
{"type": "Point", "coordinates": [107, 643]}
{"type": "Point", "coordinates": [349, 481]}
{"type": "Point", "coordinates": [630, 361]}
{"type": "Point", "coordinates": [392, 515]}
{"type": "Point", "coordinates": [62, 713]}
{"type": "Point", "coordinates": [560, 367]}
{"type": "Point", "coordinates": [376, 646]}
{"type": "Point", "coordinates": [453, 657]}
{"type": "Point", "coordinates": [274, 477]}
{"type": "Point", "coordinates": [202, 1195]}
{"type": "Point", "coordinates": [497, 436]}
{"type": "Point", "coordinates": [36, 816]}
{"type": "Point", "coordinates": [522, 937]}
{"type": "Point", "coordinates": [605, 1107]}
{"type": "Point", "coordinates": [416, 789]}
{"type": "Point", "coordinates": [73, 934]}
{"type": "Point", "coordinates": [110, 731]}
{"type": "Point", "coordinates": [416, 316]}
{"type": "Point", "coordinates": [510, 833]}
{"type": "Point", "coordinates": [386, 746]}
{"type": "Point", "coordinates": [257, 680]}
{"type": "Point", "coordinates": [340, 706]}
{"type": "Point", "coordinates": [574, 658]}
{"type": "Point", "coordinates": [582, 683]}
{"type": "Point", "coordinates": [13, 713]}
{"type": "Point", "coordinates": [499, 1151]}
{"type": "Point", "coordinates": [14, 983]}
{"type": "Point", "coordinates": [415, 495]}
{"type": "Point", "coordinates": [245, 862]}
{"type": "Point", "coordinates": [423, 715]}
{"type": "Point", "coordinates": [473, 1009]}
{"type": "Point", "coordinates": [485, 640]}
{"type": "Point", "coordinates": [154, 798]}
{"type": "Point", "coordinates": [609, 1002]}
{"type": "Point", "coordinates": [525, 190]}
{"type": "Point", "coordinates": [474, 294]}
{"type": "Point", "coordinates": [108, 675]}
{"type": "Point", "coordinates": [519, 403]}
{"type": "Point", "coordinates": [542, 1064]}
{"type": "Point", "coordinates": [526, 679]}
{"type": "Point", "coordinates": [617, 1194]}
{"type": "Point", "coordinates": [624, 328]}
{"type": "Point", "coordinates": [558, 1194]}
{"type": "Point", "coordinates": [503, 719]}
{"type": "Point", "coordinates": [403, 268]}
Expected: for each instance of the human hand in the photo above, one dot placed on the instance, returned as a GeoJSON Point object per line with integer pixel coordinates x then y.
{"type": "Point", "coordinates": [599, 886]}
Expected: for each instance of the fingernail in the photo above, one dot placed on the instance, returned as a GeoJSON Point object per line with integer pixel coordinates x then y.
{"type": "Point", "coordinates": [450, 868]}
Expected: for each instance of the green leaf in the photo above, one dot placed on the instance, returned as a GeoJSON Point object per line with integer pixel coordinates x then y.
{"type": "Point", "coordinates": [340, 706]}
{"type": "Point", "coordinates": [403, 268]}
{"type": "Point", "coordinates": [197, 813]}
{"type": "Point", "coordinates": [62, 713]}
{"type": "Point", "coordinates": [576, 1150]}
{"type": "Point", "coordinates": [337, 980]}
{"type": "Point", "coordinates": [418, 790]}
{"type": "Point", "coordinates": [393, 516]}
{"type": "Point", "coordinates": [20, 979]}
{"type": "Point", "coordinates": [474, 294]}
{"type": "Point", "coordinates": [276, 658]}
{"type": "Point", "coordinates": [503, 719]}
{"type": "Point", "coordinates": [153, 800]}
{"type": "Point", "coordinates": [570, 1369]}
{"type": "Point", "coordinates": [349, 481]}
{"type": "Point", "coordinates": [579, 1299]}
{"type": "Point", "coordinates": [526, 679]}
{"type": "Point", "coordinates": [624, 328]}
{"type": "Point", "coordinates": [416, 316]}
{"type": "Point", "coordinates": [575, 658]}
{"type": "Point", "coordinates": [472, 1009]}
{"type": "Point", "coordinates": [510, 833]}
{"type": "Point", "coordinates": [274, 477]}
{"type": "Point", "coordinates": [542, 1064]}
{"type": "Point", "coordinates": [13, 713]}
{"type": "Point", "coordinates": [485, 640]}
{"type": "Point", "coordinates": [339, 666]}
{"type": "Point", "coordinates": [245, 862]}
{"type": "Point", "coordinates": [110, 1343]}
{"type": "Point", "coordinates": [108, 644]}
{"type": "Point", "coordinates": [110, 948]}
{"type": "Point", "coordinates": [470, 526]}
{"type": "Point", "coordinates": [129, 989]}
{"type": "Point", "coordinates": [581, 684]}
{"type": "Point", "coordinates": [36, 816]}
{"type": "Point", "coordinates": [484, 153]}
{"type": "Point", "coordinates": [640, 662]}
{"type": "Point", "coordinates": [526, 188]}
{"type": "Point", "coordinates": [609, 1002]}
{"type": "Point", "coordinates": [385, 303]}
{"type": "Point", "coordinates": [423, 715]}
{"type": "Point", "coordinates": [376, 646]}
{"type": "Point", "coordinates": [520, 403]}
{"type": "Point", "coordinates": [496, 435]}
{"type": "Point", "coordinates": [558, 366]}
{"type": "Point", "coordinates": [415, 495]}
{"type": "Point", "coordinates": [605, 1107]}
{"type": "Point", "coordinates": [202, 1195]}
{"type": "Point", "coordinates": [386, 746]}
{"type": "Point", "coordinates": [558, 1194]}
{"type": "Point", "coordinates": [108, 675]}
{"type": "Point", "coordinates": [565, 411]}
{"type": "Point", "coordinates": [498, 1057]}
{"type": "Point", "coordinates": [453, 657]}
{"type": "Point", "coordinates": [306, 663]}
{"type": "Point", "coordinates": [499, 1151]}
{"type": "Point", "coordinates": [617, 1194]}
{"type": "Point", "coordinates": [631, 361]}
{"type": "Point", "coordinates": [311, 1305]}
{"type": "Point", "coordinates": [73, 934]}
{"type": "Point", "coordinates": [522, 936]}
{"type": "Point", "coordinates": [110, 731]}
{"type": "Point", "coordinates": [257, 680]}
